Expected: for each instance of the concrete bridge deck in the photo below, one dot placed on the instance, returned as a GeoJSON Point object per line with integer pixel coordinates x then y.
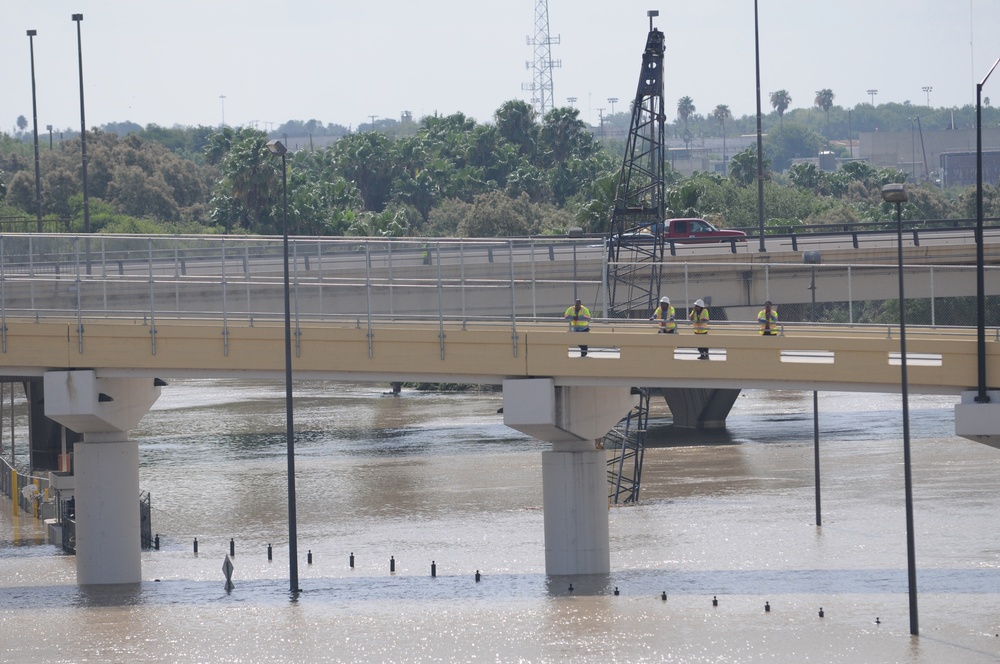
{"type": "Point", "coordinates": [813, 357]}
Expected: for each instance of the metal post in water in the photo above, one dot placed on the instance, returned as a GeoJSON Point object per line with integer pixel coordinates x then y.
{"type": "Point", "coordinates": [819, 514]}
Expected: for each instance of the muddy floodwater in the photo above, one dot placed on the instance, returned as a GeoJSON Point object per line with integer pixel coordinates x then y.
{"type": "Point", "coordinates": [437, 479]}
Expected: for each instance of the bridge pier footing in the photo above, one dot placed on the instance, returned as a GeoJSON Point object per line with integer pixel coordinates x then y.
{"type": "Point", "coordinates": [979, 421]}
{"type": "Point", "coordinates": [574, 477]}
{"type": "Point", "coordinates": [106, 468]}
{"type": "Point", "coordinates": [700, 408]}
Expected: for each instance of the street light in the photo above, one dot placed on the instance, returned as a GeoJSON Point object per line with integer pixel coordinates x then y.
{"type": "Point", "coordinates": [896, 193]}
{"type": "Point", "coordinates": [83, 140]}
{"type": "Point", "coordinates": [981, 396]}
{"type": "Point", "coordinates": [928, 90]}
{"type": "Point", "coordinates": [278, 148]}
{"type": "Point", "coordinates": [872, 92]}
{"type": "Point", "coordinates": [612, 101]}
{"type": "Point", "coordinates": [760, 135]}
{"type": "Point", "coordinates": [34, 125]}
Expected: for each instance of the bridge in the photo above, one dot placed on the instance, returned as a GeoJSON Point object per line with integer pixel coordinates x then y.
{"type": "Point", "coordinates": [98, 327]}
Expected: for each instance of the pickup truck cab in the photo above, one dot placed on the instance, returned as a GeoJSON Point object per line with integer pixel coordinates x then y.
{"type": "Point", "coordinates": [698, 230]}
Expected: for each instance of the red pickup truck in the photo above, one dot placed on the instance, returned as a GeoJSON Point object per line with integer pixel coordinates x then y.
{"type": "Point", "coordinates": [686, 231]}
{"type": "Point", "coordinates": [698, 230]}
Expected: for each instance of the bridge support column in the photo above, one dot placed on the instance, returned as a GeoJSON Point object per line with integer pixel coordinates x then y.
{"type": "Point", "coordinates": [979, 421]}
{"type": "Point", "coordinates": [574, 476]}
{"type": "Point", "coordinates": [106, 468]}
{"type": "Point", "coordinates": [699, 408]}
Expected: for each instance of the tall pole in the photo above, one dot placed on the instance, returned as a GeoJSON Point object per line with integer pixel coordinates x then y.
{"type": "Point", "coordinates": [293, 556]}
{"type": "Point", "coordinates": [277, 147]}
{"type": "Point", "coordinates": [83, 140]}
{"type": "Point", "coordinates": [911, 556]}
{"type": "Point", "coordinates": [981, 397]}
{"type": "Point", "coordinates": [896, 193]}
{"type": "Point", "coordinates": [34, 124]}
{"type": "Point", "coordinates": [760, 135]}
{"type": "Point", "coordinates": [222, 98]}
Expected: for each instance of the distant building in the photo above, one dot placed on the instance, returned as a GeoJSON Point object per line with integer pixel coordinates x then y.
{"type": "Point", "coordinates": [906, 150]}
{"type": "Point", "coordinates": [959, 169]}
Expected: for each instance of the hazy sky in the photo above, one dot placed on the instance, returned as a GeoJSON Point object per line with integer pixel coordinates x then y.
{"type": "Point", "coordinates": [150, 61]}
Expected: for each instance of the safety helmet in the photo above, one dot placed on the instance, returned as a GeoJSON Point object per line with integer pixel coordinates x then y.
{"type": "Point", "coordinates": [664, 300]}
{"type": "Point", "coordinates": [699, 303]}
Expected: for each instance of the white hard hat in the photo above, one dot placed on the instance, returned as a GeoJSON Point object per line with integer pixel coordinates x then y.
{"type": "Point", "coordinates": [699, 303]}
{"type": "Point", "coordinates": [664, 300]}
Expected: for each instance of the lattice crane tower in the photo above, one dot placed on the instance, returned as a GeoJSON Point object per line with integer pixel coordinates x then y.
{"type": "Point", "coordinates": [542, 65]}
{"type": "Point", "coordinates": [635, 263]}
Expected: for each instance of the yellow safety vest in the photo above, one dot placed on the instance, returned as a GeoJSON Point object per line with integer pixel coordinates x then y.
{"type": "Point", "coordinates": [767, 321]}
{"type": "Point", "coordinates": [666, 321]}
{"type": "Point", "coordinates": [700, 321]}
{"type": "Point", "coordinates": [578, 320]}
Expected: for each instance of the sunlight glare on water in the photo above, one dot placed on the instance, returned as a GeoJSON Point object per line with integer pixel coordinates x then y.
{"type": "Point", "coordinates": [436, 478]}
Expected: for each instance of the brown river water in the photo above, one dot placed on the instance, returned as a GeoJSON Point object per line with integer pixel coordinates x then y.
{"type": "Point", "coordinates": [429, 477]}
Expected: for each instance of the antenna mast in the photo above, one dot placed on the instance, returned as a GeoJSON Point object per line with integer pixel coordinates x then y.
{"type": "Point", "coordinates": [542, 97]}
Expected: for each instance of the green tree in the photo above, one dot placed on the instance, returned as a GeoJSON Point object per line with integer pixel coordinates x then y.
{"type": "Point", "coordinates": [780, 101]}
{"type": "Point", "coordinates": [794, 141]}
{"type": "Point", "coordinates": [743, 167]}
{"type": "Point", "coordinates": [685, 109]}
{"type": "Point", "coordinates": [824, 100]}
{"type": "Point", "coordinates": [516, 122]}
{"type": "Point", "coordinates": [720, 115]}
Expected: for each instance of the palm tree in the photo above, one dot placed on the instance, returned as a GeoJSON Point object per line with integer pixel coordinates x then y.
{"type": "Point", "coordinates": [722, 113]}
{"type": "Point", "coordinates": [685, 109]}
{"type": "Point", "coordinates": [781, 100]}
{"type": "Point", "coordinates": [824, 99]}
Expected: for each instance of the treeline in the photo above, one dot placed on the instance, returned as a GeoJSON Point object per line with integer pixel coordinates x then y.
{"type": "Point", "coordinates": [443, 176]}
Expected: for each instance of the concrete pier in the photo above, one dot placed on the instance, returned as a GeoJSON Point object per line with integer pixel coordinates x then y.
{"type": "Point", "coordinates": [574, 475]}
{"type": "Point", "coordinates": [106, 468]}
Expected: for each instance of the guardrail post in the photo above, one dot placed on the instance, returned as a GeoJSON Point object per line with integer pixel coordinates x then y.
{"type": "Point", "coordinates": [295, 279]}
{"type": "Point", "coordinates": [440, 293]}
{"type": "Point", "coordinates": [368, 296]}
{"type": "Point", "coordinates": [225, 308]}
{"type": "Point", "coordinates": [152, 296]}
{"type": "Point", "coordinates": [513, 300]}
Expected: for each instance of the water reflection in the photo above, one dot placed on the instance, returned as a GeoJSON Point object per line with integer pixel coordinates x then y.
{"type": "Point", "coordinates": [427, 477]}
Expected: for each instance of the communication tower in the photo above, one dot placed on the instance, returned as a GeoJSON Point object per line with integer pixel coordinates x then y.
{"type": "Point", "coordinates": [542, 65]}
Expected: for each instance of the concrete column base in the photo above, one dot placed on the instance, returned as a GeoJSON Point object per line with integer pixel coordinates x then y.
{"type": "Point", "coordinates": [979, 421]}
{"type": "Point", "coordinates": [575, 491]}
{"type": "Point", "coordinates": [108, 543]}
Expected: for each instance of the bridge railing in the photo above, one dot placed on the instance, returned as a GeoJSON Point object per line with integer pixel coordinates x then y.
{"type": "Point", "coordinates": [240, 281]}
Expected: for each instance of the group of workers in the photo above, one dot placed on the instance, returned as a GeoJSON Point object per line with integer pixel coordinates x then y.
{"type": "Point", "coordinates": [579, 320]}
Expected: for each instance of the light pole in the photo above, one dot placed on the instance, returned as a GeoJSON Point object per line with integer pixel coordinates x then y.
{"type": "Point", "coordinates": [49, 127]}
{"type": "Point", "coordinates": [278, 148]}
{"type": "Point", "coordinates": [612, 101]}
{"type": "Point", "coordinates": [896, 193]}
{"type": "Point", "coordinates": [223, 99]}
{"type": "Point", "coordinates": [760, 134]}
{"type": "Point", "coordinates": [872, 92]}
{"type": "Point", "coordinates": [34, 125]}
{"type": "Point", "coordinates": [572, 101]}
{"type": "Point", "coordinates": [928, 90]}
{"type": "Point", "coordinates": [981, 396]}
{"type": "Point", "coordinates": [83, 141]}
{"type": "Point", "coordinates": [913, 150]}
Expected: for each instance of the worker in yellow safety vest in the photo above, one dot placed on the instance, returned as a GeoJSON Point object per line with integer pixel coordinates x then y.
{"type": "Point", "coordinates": [768, 319]}
{"type": "Point", "coordinates": [699, 319]}
{"type": "Point", "coordinates": [665, 315]}
{"type": "Point", "coordinates": [579, 321]}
